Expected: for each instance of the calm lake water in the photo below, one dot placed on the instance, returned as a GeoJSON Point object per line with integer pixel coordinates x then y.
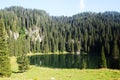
{"type": "Point", "coordinates": [65, 60]}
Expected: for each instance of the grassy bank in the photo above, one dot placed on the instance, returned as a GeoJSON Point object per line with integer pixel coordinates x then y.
{"type": "Point", "coordinates": [42, 73]}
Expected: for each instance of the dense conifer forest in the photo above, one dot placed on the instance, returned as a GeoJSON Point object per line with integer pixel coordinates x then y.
{"type": "Point", "coordinates": [95, 36]}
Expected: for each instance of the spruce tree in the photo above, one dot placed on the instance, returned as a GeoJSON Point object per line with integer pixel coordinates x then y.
{"type": "Point", "coordinates": [84, 64]}
{"type": "Point", "coordinates": [5, 69]}
{"type": "Point", "coordinates": [22, 60]}
{"type": "Point", "coordinates": [115, 52]}
{"type": "Point", "coordinates": [23, 63]}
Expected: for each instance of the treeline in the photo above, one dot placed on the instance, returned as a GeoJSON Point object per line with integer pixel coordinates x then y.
{"type": "Point", "coordinates": [91, 33]}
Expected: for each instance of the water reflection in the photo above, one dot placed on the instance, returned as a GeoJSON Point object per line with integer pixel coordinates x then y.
{"type": "Point", "coordinates": [65, 60]}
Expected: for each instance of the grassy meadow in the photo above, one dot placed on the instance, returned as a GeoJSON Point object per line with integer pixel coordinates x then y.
{"type": "Point", "coordinates": [43, 73]}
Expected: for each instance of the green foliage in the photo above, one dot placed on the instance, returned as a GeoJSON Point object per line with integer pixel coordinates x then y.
{"type": "Point", "coordinates": [5, 69]}
{"type": "Point", "coordinates": [22, 60]}
{"type": "Point", "coordinates": [84, 64]}
{"type": "Point", "coordinates": [115, 52]}
{"type": "Point", "coordinates": [86, 32]}
{"type": "Point", "coordinates": [22, 32]}
{"type": "Point", "coordinates": [23, 63]}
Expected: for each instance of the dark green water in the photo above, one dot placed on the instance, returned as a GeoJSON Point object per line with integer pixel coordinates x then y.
{"type": "Point", "coordinates": [65, 61]}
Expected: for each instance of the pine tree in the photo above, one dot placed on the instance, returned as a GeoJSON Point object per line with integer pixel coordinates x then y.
{"type": "Point", "coordinates": [72, 47]}
{"type": "Point", "coordinates": [61, 45]}
{"type": "Point", "coordinates": [84, 64]}
{"type": "Point", "coordinates": [115, 52]}
{"type": "Point", "coordinates": [5, 69]}
{"type": "Point", "coordinates": [103, 59]}
{"type": "Point", "coordinates": [23, 63]}
{"type": "Point", "coordinates": [76, 46]}
{"type": "Point", "coordinates": [22, 60]}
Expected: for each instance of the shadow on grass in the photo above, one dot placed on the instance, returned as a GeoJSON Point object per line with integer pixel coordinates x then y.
{"type": "Point", "coordinates": [17, 72]}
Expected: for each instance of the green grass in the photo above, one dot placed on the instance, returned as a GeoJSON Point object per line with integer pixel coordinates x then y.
{"type": "Point", "coordinates": [42, 73]}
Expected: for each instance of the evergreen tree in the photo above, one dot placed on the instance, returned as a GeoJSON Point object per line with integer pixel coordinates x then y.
{"type": "Point", "coordinates": [46, 46]}
{"type": "Point", "coordinates": [5, 69]}
{"type": "Point", "coordinates": [84, 64]}
{"type": "Point", "coordinates": [76, 46]}
{"type": "Point", "coordinates": [61, 45]}
{"type": "Point", "coordinates": [22, 60]}
{"type": "Point", "coordinates": [115, 52]}
{"type": "Point", "coordinates": [23, 63]}
{"type": "Point", "coordinates": [85, 32]}
{"type": "Point", "coordinates": [72, 47]}
{"type": "Point", "coordinates": [37, 46]}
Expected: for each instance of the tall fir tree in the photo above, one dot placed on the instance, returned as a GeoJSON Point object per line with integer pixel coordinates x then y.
{"type": "Point", "coordinates": [22, 60]}
{"type": "Point", "coordinates": [115, 52]}
{"type": "Point", "coordinates": [5, 68]}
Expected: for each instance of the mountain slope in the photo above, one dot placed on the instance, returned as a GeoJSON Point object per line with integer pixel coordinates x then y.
{"type": "Point", "coordinates": [85, 32]}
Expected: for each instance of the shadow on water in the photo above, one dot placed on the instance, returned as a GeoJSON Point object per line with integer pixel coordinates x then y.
{"type": "Point", "coordinates": [65, 61]}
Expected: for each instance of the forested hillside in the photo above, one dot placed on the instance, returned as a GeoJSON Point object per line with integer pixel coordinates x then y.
{"type": "Point", "coordinates": [32, 30]}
